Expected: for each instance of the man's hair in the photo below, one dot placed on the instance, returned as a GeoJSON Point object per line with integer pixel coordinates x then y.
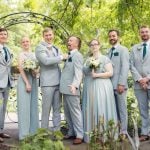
{"type": "Point", "coordinates": [114, 30]}
{"type": "Point", "coordinates": [47, 29]}
{"type": "Point", "coordinates": [144, 26]}
{"type": "Point", "coordinates": [78, 40]}
{"type": "Point", "coordinates": [3, 29]}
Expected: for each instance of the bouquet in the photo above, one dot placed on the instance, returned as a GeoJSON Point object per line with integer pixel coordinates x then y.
{"type": "Point", "coordinates": [94, 63]}
{"type": "Point", "coordinates": [30, 65]}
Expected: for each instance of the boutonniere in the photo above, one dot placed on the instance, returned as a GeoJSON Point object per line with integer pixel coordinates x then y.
{"type": "Point", "coordinates": [139, 48]}
{"type": "Point", "coordinates": [116, 54]}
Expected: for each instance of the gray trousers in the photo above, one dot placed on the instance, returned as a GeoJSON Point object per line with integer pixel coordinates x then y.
{"type": "Point", "coordinates": [3, 103]}
{"type": "Point", "coordinates": [143, 97]}
{"type": "Point", "coordinates": [121, 108]}
{"type": "Point", "coordinates": [51, 99]}
{"type": "Point", "coordinates": [73, 115]}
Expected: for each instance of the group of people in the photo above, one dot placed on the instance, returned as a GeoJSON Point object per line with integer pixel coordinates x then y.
{"type": "Point", "coordinates": [104, 87]}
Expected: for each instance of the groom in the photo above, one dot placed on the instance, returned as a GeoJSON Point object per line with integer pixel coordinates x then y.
{"type": "Point", "coordinates": [5, 78]}
{"type": "Point", "coordinates": [49, 58]}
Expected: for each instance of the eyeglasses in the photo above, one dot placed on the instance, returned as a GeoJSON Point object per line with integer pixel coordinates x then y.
{"type": "Point", "coordinates": [91, 45]}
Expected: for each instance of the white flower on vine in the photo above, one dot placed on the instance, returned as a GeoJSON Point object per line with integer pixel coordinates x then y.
{"type": "Point", "coordinates": [134, 105]}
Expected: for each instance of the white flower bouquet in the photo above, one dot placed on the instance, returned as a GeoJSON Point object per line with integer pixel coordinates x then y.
{"type": "Point", "coordinates": [30, 65]}
{"type": "Point", "coordinates": [94, 63]}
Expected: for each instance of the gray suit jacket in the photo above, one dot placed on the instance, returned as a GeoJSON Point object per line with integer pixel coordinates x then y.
{"type": "Point", "coordinates": [5, 68]}
{"type": "Point", "coordinates": [120, 61]}
{"type": "Point", "coordinates": [139, 67]}
{"type": "Point", "coordinates": [72, 73]}
{"type": "Point", "coordinates": [49, 68]}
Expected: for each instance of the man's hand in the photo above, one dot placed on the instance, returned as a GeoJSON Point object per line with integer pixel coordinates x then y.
{"type": "Point", "coordinates": [65, 56]}
{"type": "Point", "coordinates": [144, 83]}
{"type": "Point", "coordinates": [120, 89]}
{"type": "Point", "coordinates": [73, 89]}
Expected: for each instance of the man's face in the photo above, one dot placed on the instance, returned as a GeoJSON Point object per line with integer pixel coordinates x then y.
{"type": "Point", "coordinates": [113, 38]}
{"type": "Point", "coordinates": [3, 37]}
{"type": "Point", "coordinates": [72, 43]}
{"type": "Point", "coordinates": [145, 34]}
{"type": "Point", "coordinates": [48, 37]}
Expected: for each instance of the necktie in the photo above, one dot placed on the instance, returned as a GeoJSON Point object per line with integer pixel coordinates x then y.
{"type": "Point", "coordinates": [112, 49]}
{"type": "Point", "coordinates": [144, 49]}
{"type": "Point", "coordinates": [5, 51]}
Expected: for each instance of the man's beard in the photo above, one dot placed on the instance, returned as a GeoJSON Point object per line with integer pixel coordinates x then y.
{"type": "Point", "coordinates": [113, 42]}
{"type": "Point", "coordinates": [145, 38]}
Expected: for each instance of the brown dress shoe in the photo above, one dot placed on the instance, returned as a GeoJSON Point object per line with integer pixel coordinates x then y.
{"type": "Point", "coordinates": [1, 140]}
{"type": "Point", "coordinates": [77, 141]}
{"type": "Point", "coordinates": [144, 138]}
{"type": "Point", "coordinates": [67, 137]}
{"type": "Point", "coordinates": [2, 135]}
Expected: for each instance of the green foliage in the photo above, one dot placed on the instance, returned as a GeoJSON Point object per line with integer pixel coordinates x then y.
{"type": "Point", "coordinates": [104, 137]}
{"type": "Point", "coordinates": [43, 140]}
{"type": "Point", "coordinates": [133, 111]}
{"type": "Point", "coordinates": [86, 18]}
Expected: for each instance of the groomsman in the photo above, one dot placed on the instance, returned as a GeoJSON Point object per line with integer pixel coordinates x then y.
{"type": "Point", "coordinates": [70, 88]}
{"type": "Point", "coordinates": [49, 58]}
{"type": "Point", "coordinates": [140, 69]}
{"type": "Point", "coordinates": [120, 59]}
{"type": "Point", "coordinates": [5, 78]}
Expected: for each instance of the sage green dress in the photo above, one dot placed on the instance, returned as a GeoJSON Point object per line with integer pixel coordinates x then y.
{"type": "Point", "coordinates": [27, 103]}
{"type": "Point", "coordinates": [97, 99]}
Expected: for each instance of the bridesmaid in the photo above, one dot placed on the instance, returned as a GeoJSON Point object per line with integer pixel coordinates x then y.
{"type": "Point", "coordinates": [98, 97]}
{"type": "Point", "coordinates": [27, 94]}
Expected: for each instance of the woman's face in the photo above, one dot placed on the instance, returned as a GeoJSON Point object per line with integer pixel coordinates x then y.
{"type": "Point", "coordinates": [25, 43]}
{"type": "Point", "coordinates": [94, 46]}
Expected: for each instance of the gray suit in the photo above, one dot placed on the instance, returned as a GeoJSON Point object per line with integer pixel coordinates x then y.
{"type": "Point", "coordinates": [120, 61]}
{"type": "Point", "coordinates": [141, 68]}
{"type": "Point", "coordinates": [72, 75]}
{"type": "Point", "coordinates": [49, 59]}
{"type": "Point", "coordinates": [5, 83]}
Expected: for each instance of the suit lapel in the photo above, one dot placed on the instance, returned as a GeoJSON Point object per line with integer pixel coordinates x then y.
{"type": "Point", "coordinates": [50, 52]}
{"type": "Point", "coordinates": [2, 58]}
{"type": "Point", "coordinates": [71, 56]}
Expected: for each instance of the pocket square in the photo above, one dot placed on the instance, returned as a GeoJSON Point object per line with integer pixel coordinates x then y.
{"type": "Point", "coordinates": [70, 59]}
{"type": "Point", "coordinates": [116, 54]}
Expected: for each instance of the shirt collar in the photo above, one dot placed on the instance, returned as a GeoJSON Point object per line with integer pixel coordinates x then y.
{"type": "Point", "coordinates": [147, 42]}
{"type": "Point", "coordinates": [116, 45]}
{"type": "Point", "coordinates": [73, 51]}
{"type": "Point", "coordinates": [46, 44]}
{"type": "Point", "coordinates": [1, 46]}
